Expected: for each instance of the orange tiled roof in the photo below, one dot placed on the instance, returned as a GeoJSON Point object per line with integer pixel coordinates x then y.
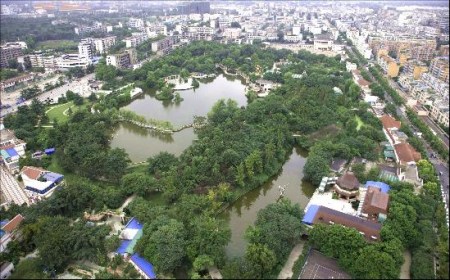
{"type": "Point", "coordinates": [13, 224]}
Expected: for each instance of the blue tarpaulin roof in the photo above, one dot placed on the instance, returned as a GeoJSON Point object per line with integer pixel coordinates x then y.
{"type": "Point", "coordinates": [123, 247]}
{"type": "Point", "coordinates": [383, 186]}
{"type": "Point", "coordinates": [12, 152]}
{"type": "Point", "coordinates": [53, 177]}
{"type": "Point", "coordinates": [49, 151]}
{"type": "Point", "coordinates": [134, 224]}
{"type": "Point", "coordinates": [310, 214]}
{"type": "Point", "coordinates": [144, 265]}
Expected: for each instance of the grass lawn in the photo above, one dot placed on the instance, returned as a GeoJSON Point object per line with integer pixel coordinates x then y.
{"type": "Point", "coordinates": [57, 44]}
{"type": "Point", "coordinates": [57, 112]}
{"type": "Point", "coordinates": [360, 122]}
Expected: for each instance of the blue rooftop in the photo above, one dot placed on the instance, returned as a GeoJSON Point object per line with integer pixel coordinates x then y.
{"type": "Point", "coordinates": [308, 218]}
{"type": "Point", "coordinates": [53, 177]}
{"type": "Point", "coordinates": [383, 186]}
{"type": "Point", "coordinates": [134, 224]}
{"type": "Point", "coordinates": [12, 152]}
{"type": "Point", "coordinates": [4, 222]}
{"type": "Point", "coordinates": [144, 265]}
{"type": "Point", "coordinates": [123, 247]}
{"type": "Point", "coordinates": [49, 151]}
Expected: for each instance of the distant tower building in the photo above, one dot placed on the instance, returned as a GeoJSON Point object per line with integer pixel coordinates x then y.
{"type": "Point", "coordinates": [194, 8]}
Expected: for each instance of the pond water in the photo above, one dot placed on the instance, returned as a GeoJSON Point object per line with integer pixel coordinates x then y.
{"type": "Point", "coordinates": [142, 143]}
{"type": "Point", "coordinates": [243, 212]}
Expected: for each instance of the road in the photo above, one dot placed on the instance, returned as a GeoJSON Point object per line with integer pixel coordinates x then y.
{"type": "Point", "coordinates": [439, 132]}
{"type": "Point", "coordinates": [81, 87]}
{"type": "Point", "coordinates": [441, 167]}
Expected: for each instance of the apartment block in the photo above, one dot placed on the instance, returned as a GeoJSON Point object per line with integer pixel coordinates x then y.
{"type": "Point", "coordinates": [390, 67]}
{"type": "Point", "coordinates": [122, 60]}
{"type": "Point", "coordinates": [415, 68]}
{"type": "Point", "coordinates": [7, 53]}
{"type": "Point", "coordinates": [421, 49]}
{"type": "Point", "coordinates": [439, 68]}
{"type": "Point", "coordinates": [135, 40]}
{"type": "Point", "coordinates": [164, 46]}
{"type": "Point", "coordinates": [323, 42]}
{"type": "Point", "coordinates": [85, 50]}
{"type": "Point", "coordinates": [154, 30]}
{"type": "Point", "coordinates": [440, 112]}
{"type": "Point", "coordinates": [102, 45]}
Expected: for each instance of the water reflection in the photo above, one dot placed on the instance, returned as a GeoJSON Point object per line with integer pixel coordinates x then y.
{"type": "Point", "coordinates": [142, 143]}
{"type": "Point", "coordinates": [244, 211]}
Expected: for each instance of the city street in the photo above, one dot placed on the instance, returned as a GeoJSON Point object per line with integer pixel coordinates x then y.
{"type": "Point", "coordinates": [426, 119]}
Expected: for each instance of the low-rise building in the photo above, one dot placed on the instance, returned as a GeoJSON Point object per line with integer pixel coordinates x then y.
{"type": "Point", "coordinates": [323, 42]}
{"type": "Point", "coordinates": [347, 186]}
{"type": "Point", "coordinates": [39, 182]}
{"type": "Point", "coordinates": [9, 231]}
{"type": "Point", "coordinates": [375, 205]}
{"type": "Point", "coordinates": [323, 215]}
{"type": "Point", "coordinates": [12, 82]}
{"type": "Point", "coordinates": [6, 269]}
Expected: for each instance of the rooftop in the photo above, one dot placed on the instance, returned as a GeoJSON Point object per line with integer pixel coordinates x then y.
{"type": "Point", "coordinates": [406, 153]}
{"type": "Point", "coordinates": [326, 215]}
{"type": "Point", "coordinates": [348, 181]}
{"type": "Point", "coordinates": [13, 224]}
{"type": "Point", "coordinates": [390, 122]}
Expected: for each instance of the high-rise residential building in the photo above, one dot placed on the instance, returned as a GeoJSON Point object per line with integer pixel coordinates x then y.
{"type": "Point", "coordinates": [439, 68]}
{"type": "Point", "coordinates": [85, 50]}
{"type": "Point", "coordinates": [102, 45]}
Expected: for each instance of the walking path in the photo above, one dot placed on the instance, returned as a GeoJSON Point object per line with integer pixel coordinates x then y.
{"type": "Point", "coordinates": [404, 270]}
{"type": "Point", "coordinates": [214, 273]}
{"type": "Point", "coordinates": [286, 272]}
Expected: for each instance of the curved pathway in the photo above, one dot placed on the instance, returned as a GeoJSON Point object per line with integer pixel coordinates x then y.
{"type": "Point", "coordinates": [286, 272]}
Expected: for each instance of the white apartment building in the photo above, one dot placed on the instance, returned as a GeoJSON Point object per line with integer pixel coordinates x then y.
{"type": "Point", "coordinates": [135, 40]}
{"type": "Point", "coordinates": [155, 30]}
{"type": "Point", "coordinates": [296, 30]}
{"type": "Point", "coordinates": [136, 23]}
{"type": "Point", "coordinates": [232, 33]}
{"type": "Point", "coordinates": [200, 33]}
{"type": "Point", "coordinates": [440, 112]}
{"type": "Point", "coordinates": [323, 42]}
{"type": "Point", "coordinates": [85, 50]}
{"type": "Point", "coordinates": [293, 38]}
{"type": "Point", "coordinates": [102, 45]}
